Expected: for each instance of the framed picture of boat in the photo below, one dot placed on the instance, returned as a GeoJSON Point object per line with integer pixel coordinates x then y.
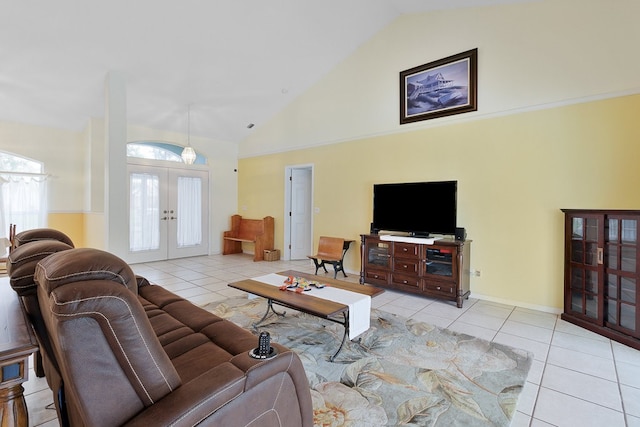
{"type": "Point", "coordinates": [440, 88]}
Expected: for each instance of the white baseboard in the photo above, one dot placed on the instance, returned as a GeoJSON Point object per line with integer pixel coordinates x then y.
{"type": "Point", "coordinates": [546, 309]}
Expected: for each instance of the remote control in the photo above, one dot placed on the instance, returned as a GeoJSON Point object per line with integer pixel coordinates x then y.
{"type": "Point", "coordinates": [264, 344]}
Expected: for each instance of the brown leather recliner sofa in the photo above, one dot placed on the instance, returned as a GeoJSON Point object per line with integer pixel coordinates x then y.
{"type": "Point", "coordinates": [127, 352]}
{"type": "Point", "coordinates": [31, 247]}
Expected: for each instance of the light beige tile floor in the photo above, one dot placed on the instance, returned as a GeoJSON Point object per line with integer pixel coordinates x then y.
{"type": "Point", "coordinates": [578, 378]}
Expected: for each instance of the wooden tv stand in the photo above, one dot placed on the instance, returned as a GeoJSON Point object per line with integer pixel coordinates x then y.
{"type": "Point", "coordinates": [439, 270]}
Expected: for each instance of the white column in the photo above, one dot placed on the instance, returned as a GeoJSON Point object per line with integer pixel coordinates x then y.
{"type": "Point", "coordinates": [116, 188]}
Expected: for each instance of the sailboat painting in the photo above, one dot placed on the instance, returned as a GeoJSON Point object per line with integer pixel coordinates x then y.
{"type": "Point", "coordinates": [440, 88]}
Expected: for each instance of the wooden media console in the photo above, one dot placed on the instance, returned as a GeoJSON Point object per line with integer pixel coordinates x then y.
{"type": "Point", "coordinates": [438, 270]}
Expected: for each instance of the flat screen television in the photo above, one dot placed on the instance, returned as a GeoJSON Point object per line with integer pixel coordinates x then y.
{"type": "Point", "coordinates": [417, 208]}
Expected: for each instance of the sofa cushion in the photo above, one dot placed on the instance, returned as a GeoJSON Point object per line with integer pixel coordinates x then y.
{"type": "Point", "coordinates": [193, 338]}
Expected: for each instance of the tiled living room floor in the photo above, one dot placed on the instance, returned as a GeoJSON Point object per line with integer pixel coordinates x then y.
{"type": "Point", "coordinates": [578, 378]}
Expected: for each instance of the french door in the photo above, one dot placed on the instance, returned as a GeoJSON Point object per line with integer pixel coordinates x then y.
{"type": "Point", "coordinates": [168, 213]}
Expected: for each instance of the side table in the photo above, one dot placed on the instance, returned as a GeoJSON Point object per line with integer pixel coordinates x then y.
{"type": "Point", "coordinates": [17, 343]}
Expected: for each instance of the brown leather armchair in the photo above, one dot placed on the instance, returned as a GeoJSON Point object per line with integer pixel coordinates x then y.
{"type": "Point", "coordinates": [132, 353]}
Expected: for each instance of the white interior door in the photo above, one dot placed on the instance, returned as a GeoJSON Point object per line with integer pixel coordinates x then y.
{"type": "Point", "coordinates": [168, 213]}
{"type": "Point", "coordinates": [301, 213]}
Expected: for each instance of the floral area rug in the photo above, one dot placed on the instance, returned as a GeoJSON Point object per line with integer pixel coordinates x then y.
{"type": "Point", "coordinates": [399, 372]}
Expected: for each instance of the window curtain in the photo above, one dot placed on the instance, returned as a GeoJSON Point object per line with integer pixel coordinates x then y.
{"type": "Point", "coordinates": [189, 211]}
{"type": "Point", "coordinates": [144, 214]}
{"type": "Point", "coordinates": [23, 201]}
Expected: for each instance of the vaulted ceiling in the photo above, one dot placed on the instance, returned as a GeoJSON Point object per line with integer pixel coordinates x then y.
{"type": "Point", "coordinates": [234, 61]}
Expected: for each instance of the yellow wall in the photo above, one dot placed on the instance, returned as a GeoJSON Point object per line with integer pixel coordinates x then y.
{"type": "Point", "coordinates": [514, 175]}
{"type": "Point", "coordinates": [94, 234]}
{"type": "Point", "coordinates": [72, 224]}
{"type": "Point", "coordinates": [555, 128]}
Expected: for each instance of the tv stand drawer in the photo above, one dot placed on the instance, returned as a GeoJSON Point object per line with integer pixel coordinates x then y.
{"type": "Point", "coordinates": [408, 266]}
{"type": "Point", "coordinates": [406, 250]}
{"type": "Point", "coordinates": [405, 280]}
{"type": "Point", "coordinates": [444, 289]}
{"type": "Point", "coordinates": [377, 277]}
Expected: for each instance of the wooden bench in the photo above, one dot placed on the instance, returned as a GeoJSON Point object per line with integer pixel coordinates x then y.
{"type": "Point", "coordinates": [257, 231]}
{"type": "Point", "coordinates": [331, 250]}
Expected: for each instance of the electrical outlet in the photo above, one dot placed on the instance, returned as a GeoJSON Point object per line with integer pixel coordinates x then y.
{"type": "Point", "coordinates": [476, 273]}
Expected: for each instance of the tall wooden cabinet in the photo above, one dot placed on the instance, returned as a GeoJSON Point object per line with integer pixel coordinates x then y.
{"type": "Point", "coordinates": [601, 272]}
{"type": "Point", "coordinates": [440, 270]}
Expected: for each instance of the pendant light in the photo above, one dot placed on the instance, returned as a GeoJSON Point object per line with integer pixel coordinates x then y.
{"type": "Point", "coordinates": [188, 154]}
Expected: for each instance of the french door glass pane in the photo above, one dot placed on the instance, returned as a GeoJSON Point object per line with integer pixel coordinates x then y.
{"type": "Point", "coordinates": [577, 251]}
{"type": "Point", "coordinates": [591, 282]}
{"type": "Point", "coordinates": [576, 301]}
{"type": "Point", "coordinates": [591, 254]}
{"type": "Point", "coordinates": [144, 212]}
{"type": "Point", "coordinates": [612, 314]}
{"type": "Point", "coordinates": [577, 229]}
{"type": "Point", "coordinates": [628, 316]}
{"type": "Point", "coordinates": [613, 230]}
{"type": "Point", "coordinates": [577, 279]}
{"type": "Point", "coordinates": [612, 286]}
{"type": "Point", "coordinates": [592, 306]}
{"type": "Point", "coordinates": [628, 289]}
{"type": "Point", "coordinates": [612, 257]}
{"type": "Point", "coordinates": [592, 229]}
{"type": "Point", "coordinates": [189, 211]}
{"type": "Point", "coordinates": [628, 260]}
{"type": "Point", "coordinates": [629, 231]}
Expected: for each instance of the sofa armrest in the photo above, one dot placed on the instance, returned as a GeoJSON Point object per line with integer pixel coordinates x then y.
{"type": "Point", "coordinates": [258, 370]}
{"type": "Point", "coordinates": [196, 400]}
{"type": "Point", "coordinates": [236, 393]}
{"type": "Point", "coordinates": [286, 362]}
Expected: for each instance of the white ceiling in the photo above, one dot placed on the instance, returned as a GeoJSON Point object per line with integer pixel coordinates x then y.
{"type": "Point", "coordinates": [235, 61]}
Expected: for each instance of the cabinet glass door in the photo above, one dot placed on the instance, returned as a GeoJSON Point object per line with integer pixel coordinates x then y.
{"type": "Point", "coordinates": [378, 254]}
{"type": "Point", "coordinates": [585, 259]}
{"type": "Point", "coordinates": [440, 262]}
{"type": "Point", "coordinates": [621, 263]}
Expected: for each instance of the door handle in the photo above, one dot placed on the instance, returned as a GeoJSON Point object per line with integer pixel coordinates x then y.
{"type": "Point", "coordinates": [600, 256]}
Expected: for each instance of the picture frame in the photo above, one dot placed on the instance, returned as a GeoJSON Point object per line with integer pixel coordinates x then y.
{"type": "Point", "coordinates": [440, 88]}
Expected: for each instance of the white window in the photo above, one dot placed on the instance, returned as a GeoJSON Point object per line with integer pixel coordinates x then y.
{"type": "Point", "coordinates": [150, 150]}
{"type": "Point", "coordinates": [154, 150]}
{"type": "Point", "coordinates": [23, 193]}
